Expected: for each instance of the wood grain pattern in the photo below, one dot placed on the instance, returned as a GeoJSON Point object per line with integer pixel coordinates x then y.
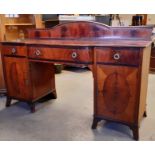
{"type": "Point", "coordinates": [87, 29]}
{"type": "Point", "coordinates": [18, 84]}
{"type": "Point", "coordinates": [107, 55]}
{"type": "Point", "coordinates": [117, 92]}
{"type": "Point", "coordinates": [14, 50]}
{"type": "Point", "coordinates": [43, 79]}
{"type": "Point", "coordinates": [82, 43]}
{"type": "Point", "coordinates": [61, 54]}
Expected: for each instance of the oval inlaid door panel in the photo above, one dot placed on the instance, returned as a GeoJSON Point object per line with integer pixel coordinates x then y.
{"type": "Point", "coordinates": [17, 77]}
{"type": "Point", "coordinates": [116, 93]}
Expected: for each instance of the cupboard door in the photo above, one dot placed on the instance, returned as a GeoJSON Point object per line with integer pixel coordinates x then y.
{"type": "Point", "coordinates": [117, 92]}
{"type": "Point", "coordinates": [17, 77]}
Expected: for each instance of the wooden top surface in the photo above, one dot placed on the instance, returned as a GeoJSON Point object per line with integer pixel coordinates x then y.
{"type": "Point", "coordinates": [85, 42]}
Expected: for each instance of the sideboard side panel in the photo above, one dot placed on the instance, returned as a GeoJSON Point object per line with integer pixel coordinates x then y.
{"type": "Point", "coordinates": [43, 79]}
{"type": "Point", "coordinates": [144, 80]}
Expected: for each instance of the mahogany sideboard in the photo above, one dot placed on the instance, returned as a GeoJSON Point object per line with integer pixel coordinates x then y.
{"type": "Point", "coordinates": [117, 56]}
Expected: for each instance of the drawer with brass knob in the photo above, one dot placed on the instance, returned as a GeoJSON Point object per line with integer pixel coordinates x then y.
{"type": "Point", "coordinates": [118, 56]}
{"type": "Point", "coordinates": [13, 50]}
{"type": "Point", "coordinates": [65, 54]}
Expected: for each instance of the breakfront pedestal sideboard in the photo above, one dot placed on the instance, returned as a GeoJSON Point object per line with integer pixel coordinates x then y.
{"type": "Point", "coordinates": [118, 57]}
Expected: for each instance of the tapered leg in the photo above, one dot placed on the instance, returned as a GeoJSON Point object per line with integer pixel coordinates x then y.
{"type": "Point", "coordinates": [95, 122]}
{"type": "Point", "coordinates": [32, 106]}
{"type": "Point", "coordinates": [54, 94]}
{"type": "Point", "coordinates": [145, 114]}
{"type": "Point", "coordinates": [135, 131]}
{"type": "Point", "coordinates": [8, 101]}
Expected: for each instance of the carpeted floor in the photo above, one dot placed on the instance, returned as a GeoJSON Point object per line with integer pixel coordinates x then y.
{"type": "Point", "coordinates": [69, 117]}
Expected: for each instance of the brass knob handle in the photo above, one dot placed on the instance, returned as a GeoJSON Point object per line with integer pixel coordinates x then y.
{"type": "Point", "coordinates": [116, 56]}
{"type": "Point", "coordinates": [38, 52]}
{"type": "Point", "coordinates": [74, 55]}
{"type": "Point", "coordinates": [13, 50]}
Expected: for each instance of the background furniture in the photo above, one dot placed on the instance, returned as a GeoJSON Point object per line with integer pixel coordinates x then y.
{"type": "Point", "coordinates": [13, 27]}
{"type": "Point", "coordinates": [50, 20]}
{"type": "Point", "coordinates": [139, 19]}
{"type": "Point", "coordinates": [118, 57]}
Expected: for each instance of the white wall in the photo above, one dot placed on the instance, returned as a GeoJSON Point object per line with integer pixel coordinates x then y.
{"type": "Point", "coordinates": [151, 19]}
{"type": "Point", "coordinates": [126, 20]}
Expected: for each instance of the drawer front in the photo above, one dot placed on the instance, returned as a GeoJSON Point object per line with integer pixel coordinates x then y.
{"type": "Point", "coordinates": [14, 50]}
{"type": "Point", "coordinates": [81, 55]}
{"type": "Point", "coordinates": [128, 56]}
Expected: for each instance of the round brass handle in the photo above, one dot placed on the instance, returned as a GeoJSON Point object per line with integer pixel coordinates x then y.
{"type": "Point", "coordinates": [38, 52]}
{"type": "Point", "coordinates": [116, 56]}
{"type": "Point", "coordinates": [74, 55]}
{"type": "Point", "coordinates": [13, 50]}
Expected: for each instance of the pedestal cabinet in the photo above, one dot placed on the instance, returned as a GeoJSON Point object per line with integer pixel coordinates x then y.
{"type": "Point", "coordinates": [121, 75]}
{"type": "Point", "coordinates": [27, 81]}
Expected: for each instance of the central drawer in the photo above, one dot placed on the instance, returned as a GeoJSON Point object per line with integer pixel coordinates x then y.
{"type": "Point", "coordinates": [118, 55]}
{"type": "Point", "coordinates": [79, 55]}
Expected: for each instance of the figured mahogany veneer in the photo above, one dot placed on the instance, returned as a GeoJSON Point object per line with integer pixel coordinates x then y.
{"type": "Point", "coordinates": [17, 76]}
{"type": "Point", "coordinates": [79, 55]}
{"type": "Point", "coordinates": [91, 30]}
{"type": "Point", "coordinates": [23, 79]}
{"type": "Point", "coordinates": [118, 57]}
{"type": "Point", "coordinates": [117, 91]}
